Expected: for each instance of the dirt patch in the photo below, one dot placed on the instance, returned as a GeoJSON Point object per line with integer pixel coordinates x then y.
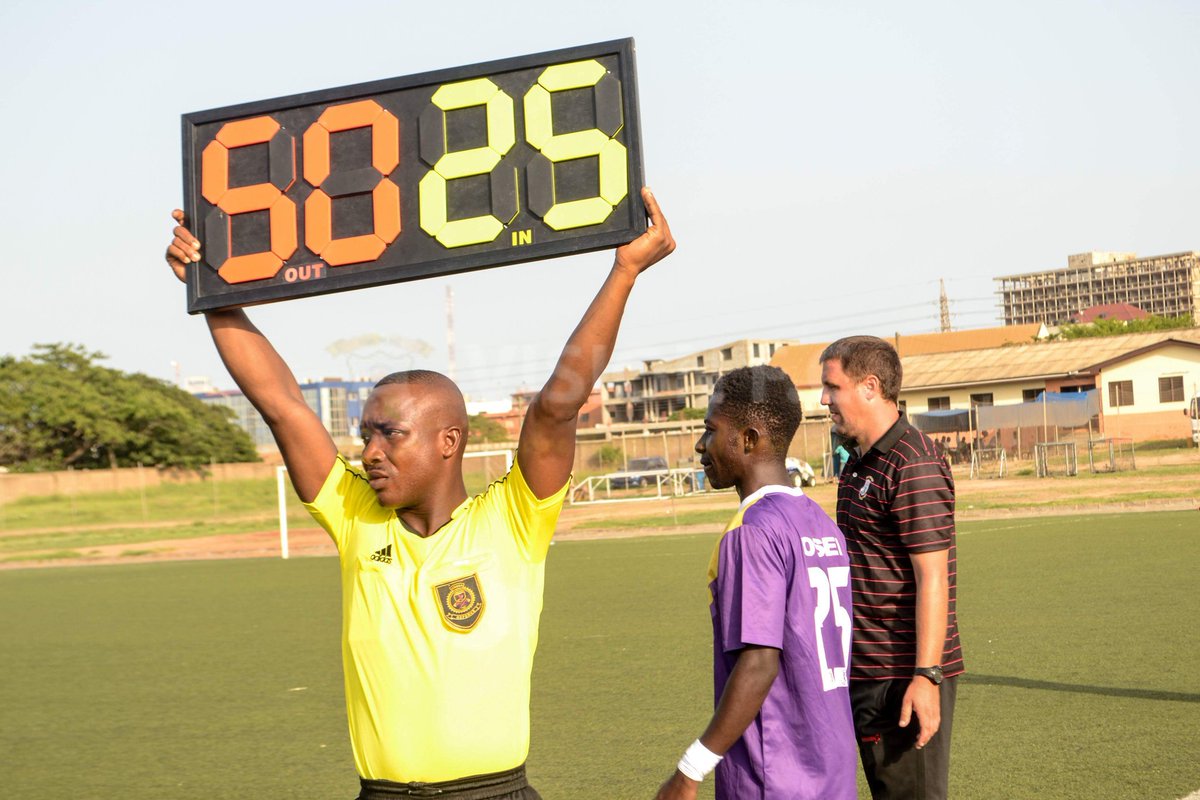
{"type": "Point", "coordinates": [977, 500]}
{"type": "Point", "coordinates": [257, 544]}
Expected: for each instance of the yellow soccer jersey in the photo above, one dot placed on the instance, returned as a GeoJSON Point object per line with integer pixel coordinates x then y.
{"type": "Point", "coordinates": [438, 633]}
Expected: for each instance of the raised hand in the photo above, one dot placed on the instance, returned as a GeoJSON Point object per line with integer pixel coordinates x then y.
{"type": "Point", "coordinates": [184, 248]}
{"type": "Point", "coordinates": [652, 246]}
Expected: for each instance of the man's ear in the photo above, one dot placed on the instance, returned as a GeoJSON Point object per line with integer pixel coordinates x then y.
{"type": "Point", "coordinates": [750, 439]}
{"type": "Point", "coordinates": [452, 441]}
{"type": "Point", "coordinates": [870, 385]}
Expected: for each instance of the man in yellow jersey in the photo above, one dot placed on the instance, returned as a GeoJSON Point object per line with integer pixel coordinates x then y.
{"type": "Point", "coordinates": [441, 592]}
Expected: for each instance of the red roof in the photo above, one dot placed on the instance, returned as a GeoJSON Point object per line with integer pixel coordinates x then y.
{"type": "Point", "coordinates": [1118, 311]}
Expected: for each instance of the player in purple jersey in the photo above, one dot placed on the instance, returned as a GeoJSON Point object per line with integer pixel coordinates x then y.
{"type": "Point", "coordinates": [779, 581]}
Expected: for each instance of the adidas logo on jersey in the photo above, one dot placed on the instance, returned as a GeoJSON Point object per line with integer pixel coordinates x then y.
{"type": "Point", "coordinates": [383, 556]}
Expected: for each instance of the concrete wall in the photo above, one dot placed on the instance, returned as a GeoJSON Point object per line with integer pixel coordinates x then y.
{"type": "Point", "coordinates": [678, 447]}
{"type": "Point", "coordinates": [1145, 427]}
{"type": "Point", "coordinates": [85, 481]}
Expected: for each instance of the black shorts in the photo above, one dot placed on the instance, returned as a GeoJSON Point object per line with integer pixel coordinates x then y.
{"type": "Point", "coordinates": [508, 785]}
{"type": "Point", "coordinates": [895, 769]}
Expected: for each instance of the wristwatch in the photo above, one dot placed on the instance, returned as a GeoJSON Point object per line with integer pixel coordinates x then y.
{"type": "Point", "coordinates": [932, 674]}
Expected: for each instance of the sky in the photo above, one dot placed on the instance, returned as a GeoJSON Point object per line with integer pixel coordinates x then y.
{"type": "Point", "coordinates": [822, 165]}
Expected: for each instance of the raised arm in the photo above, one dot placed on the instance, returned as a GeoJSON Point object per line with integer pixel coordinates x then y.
{"type": "Point", "coordinates": [547, 446]}
{"type": "Point", "coordinates": [307, 448]}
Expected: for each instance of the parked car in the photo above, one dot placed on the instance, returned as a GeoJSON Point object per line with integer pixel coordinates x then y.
{"type": "Point", "coordinates": [635, 474]}
{"type": "Point", "coordinates": [801, 472]}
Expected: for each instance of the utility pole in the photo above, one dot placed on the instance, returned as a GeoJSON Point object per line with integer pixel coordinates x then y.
{"type": "Point", "coordinates": [450, 331]}
{"type": "Point", "coordinates": [944, 306]}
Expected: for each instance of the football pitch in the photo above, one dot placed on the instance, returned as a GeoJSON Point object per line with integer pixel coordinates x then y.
{"type": "Point", "coordinates": [222, 679]}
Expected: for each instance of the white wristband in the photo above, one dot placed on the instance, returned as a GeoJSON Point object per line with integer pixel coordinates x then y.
{"type": "Point", "coordinates": [698, 761]}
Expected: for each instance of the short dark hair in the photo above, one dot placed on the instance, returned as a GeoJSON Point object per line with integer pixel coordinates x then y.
{"type": "Point", "coordinates": [422, 377]}
{"type": "Point", "coordinates": [764, 396]}
{"type": "Point", "coordinates": [869, 355]}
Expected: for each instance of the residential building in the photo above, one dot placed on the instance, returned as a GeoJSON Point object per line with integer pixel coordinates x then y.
{"type": "Point", "coordinates": [1165, 286]}
{"type": "Point", "coordinates": [664, 387]}
{"type": "Point", "coordinates": [801, 361]}
{"type": "Point", "coordinates": [1144, 379]}
{"type": "Point", "coordinates": [338, 403]}
{"type": "Point", "coordinates": [1111, 312]}
{"type": "Point", "coordinates": [590, 415]}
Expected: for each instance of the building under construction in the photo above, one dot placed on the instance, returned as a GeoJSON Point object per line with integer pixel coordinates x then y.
{"type": "Point", "coordinates": [1166, 286]}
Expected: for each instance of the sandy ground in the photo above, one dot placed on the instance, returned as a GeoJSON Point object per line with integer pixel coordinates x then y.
{"type": "Point", "coordinates": [265, 544]}
{"type": "Point", "coordinates": [1011, 497]}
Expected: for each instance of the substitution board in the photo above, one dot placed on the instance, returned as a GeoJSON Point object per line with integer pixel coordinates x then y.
{"type": "Point", "coordinates": [432, 174]}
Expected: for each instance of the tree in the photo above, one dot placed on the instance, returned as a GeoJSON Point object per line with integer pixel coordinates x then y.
{"type": "Point", "coordinates": [486, 429]}
{"type": "Point", "coordinates": [60, 409]}
{"type": "Point", "coordinates": [609, 455]}
{"type": "Point", "coordinates": [1118, 327]}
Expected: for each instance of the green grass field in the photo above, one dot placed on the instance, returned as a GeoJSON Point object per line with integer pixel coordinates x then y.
{"type": "Point", "coordinates": [222, 679]}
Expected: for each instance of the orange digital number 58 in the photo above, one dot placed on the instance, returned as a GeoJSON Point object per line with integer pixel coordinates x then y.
{"type": "Point", "coordinates": [214, 185]}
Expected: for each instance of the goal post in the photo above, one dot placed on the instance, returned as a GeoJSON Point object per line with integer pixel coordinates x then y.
{"type": "Point", "coordinates": [1112, 454]}
{"type": "Point", "coordinates": [1055, 458]}
{"type": "Point", "coordinates": [988, 462]}
{"type": "Point", "coordinates": [282, 489]}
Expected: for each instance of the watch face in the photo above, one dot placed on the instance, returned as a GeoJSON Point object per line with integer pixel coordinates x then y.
{"type": "Point", "coordinates": [934, 674]}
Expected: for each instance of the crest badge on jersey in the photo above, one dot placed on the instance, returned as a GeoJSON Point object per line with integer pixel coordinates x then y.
{"type": "Point", "coordinates": [866, 487]}
{"type": "Point", "coordinates": [460, 602]}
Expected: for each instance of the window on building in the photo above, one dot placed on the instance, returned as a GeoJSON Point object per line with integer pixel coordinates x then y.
{"type": "Point", "coordinates": [699, 361]}
{"type": "Point", "coordinates": [756, 349]}
{"type": "Point", "coordinates": [1029, 395]}
{"type": "Point", "coordinates": [727, 354]}
{"type": "Point", "coordinates": [772, 349]}
{"type": "Point", "coordinates": [1120, 393]}
{"type": "Point", "coordinates": [339, 425]}
{"type": "Point", "coordinates": [937, 403]}
{"type": "Point", "coordinates": [1170, 389]}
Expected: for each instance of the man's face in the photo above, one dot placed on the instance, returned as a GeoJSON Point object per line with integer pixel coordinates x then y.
{"type": "Point", "coordinates": [846, 399]}
{"type": "Point", "coordinates": [720, 449]}
{"type": "Point", "coordinates": [402, 443]}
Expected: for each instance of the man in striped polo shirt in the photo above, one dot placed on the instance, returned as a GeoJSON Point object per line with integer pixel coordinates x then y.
{"type": "Point", "coordinates": [896, 509]}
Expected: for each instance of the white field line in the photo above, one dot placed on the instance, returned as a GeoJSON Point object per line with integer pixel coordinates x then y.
{"type": "Point", "coordinates": [1193, 796]}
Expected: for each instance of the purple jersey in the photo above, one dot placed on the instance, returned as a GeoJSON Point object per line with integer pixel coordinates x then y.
{"type": "Point", "coordinates": [780, 577]}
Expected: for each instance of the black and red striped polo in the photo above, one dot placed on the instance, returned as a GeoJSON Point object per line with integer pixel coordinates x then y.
{"type": "Point", "coordinates": [895, 499]}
